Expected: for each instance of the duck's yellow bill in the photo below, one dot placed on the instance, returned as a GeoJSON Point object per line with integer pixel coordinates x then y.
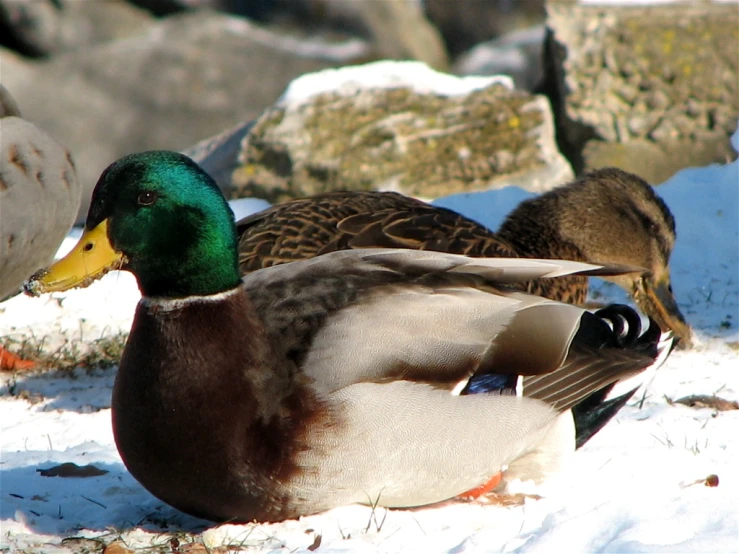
{"type": "Point", "coordinates": [91, 258]}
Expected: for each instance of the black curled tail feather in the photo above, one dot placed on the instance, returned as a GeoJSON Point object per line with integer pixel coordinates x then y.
{"type": "Point", "coordinates": [625, 324]}
{"type": "Point", "coordinates": [608, 347]}
{"type": "Point", "coordinates": [627, 329]}
{"type": "Point", "coordinates": [596, 410]}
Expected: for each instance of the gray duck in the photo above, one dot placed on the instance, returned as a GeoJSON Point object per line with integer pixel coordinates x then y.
{"type": "Point", "coordinates": [39, 199]}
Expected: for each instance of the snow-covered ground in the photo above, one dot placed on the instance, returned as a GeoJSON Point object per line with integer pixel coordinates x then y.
{"type": "Point", "coordinates": [636, 487]}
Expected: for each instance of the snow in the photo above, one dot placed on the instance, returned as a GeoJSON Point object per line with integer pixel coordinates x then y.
{"type": "Point", "coordinates": [517, 54]}
{"type": "Point", "coordinates": [635, 487]}
{"type": "Point", "coordinates": [247, 206]}
{"type": "Point", "coordinates": [385, 74]}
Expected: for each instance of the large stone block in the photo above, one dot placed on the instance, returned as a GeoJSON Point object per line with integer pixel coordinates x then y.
{"type": "Point", "coordinates": [371, 127]}
{"type": "Point", "coordinates": [649, 88]}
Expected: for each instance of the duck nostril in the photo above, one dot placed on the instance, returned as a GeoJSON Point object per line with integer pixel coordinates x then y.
{"type": "Point", "coordinates": [87, 247]}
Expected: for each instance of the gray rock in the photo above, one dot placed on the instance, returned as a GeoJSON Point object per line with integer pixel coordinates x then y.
{"type": "Point", "coordinates": [171, 6]}
{"type": "Point", "coordinates": [396, 29]}
{"type": "Point", "coordinates": [653, 161]}
{"type": "Point", "coordinates": [218, 155]}
{"type": "Point", "coordinates": [186, 78]}
{"type": "Point", "coordinates": [31, 26]}
{"type": "Point", "coordinates": [8, 105]}
{"type": "Point", "coordinates": [656, 86]}
{"type": "Point", "coordinates": [399, 29]}
{"type": "Point", "coordinates": [39, 199]}
{"type": "Point", "coordinates": [45, 27]}
{"type": "Point", "coordinates": [466, 23]}
{"type": "Point", "coordinates": [517, 54]}
{"type": "Point", "coordinates": [424, 30]}
{"type": "Point", "coordinates": [384, 127]}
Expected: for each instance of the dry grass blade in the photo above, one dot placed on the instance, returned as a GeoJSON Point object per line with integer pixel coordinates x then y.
{"type": "Point", "coordinates": [100, 353]}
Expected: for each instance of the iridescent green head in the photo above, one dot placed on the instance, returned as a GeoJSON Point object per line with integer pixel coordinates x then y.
{"type": "Point", "coordinates": [165, 220]}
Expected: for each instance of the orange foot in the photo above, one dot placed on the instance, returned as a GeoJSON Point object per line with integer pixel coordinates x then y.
{"type": "Point", "coordinates": [11, 362]}
{"type": "Point", "coordinates": [482, 489]}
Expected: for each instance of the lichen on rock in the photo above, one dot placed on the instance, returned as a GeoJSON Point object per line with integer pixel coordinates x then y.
{"type": "Point", "coordinates": [419, 143]}
{"type": "Point", "coordinates": [666, 74]}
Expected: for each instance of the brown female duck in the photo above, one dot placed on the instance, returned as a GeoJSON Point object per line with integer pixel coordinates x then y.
{"type": "Point", "coordinates": [608, 216]}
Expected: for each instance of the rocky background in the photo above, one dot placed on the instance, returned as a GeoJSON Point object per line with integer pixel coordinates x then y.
{"type": "Point", "coordinates": [648, 88]}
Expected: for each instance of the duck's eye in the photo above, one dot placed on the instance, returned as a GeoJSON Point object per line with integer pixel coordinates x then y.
{"type": "Point", "coordinates": [147, 198]}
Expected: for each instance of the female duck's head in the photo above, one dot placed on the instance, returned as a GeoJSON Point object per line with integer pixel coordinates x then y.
{"type": "Point", "coordinates": [160, 216]}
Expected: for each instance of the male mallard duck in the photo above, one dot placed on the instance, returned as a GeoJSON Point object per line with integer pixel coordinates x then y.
{"type": "Point", "coordinates": [39, 199]}
{"type": "Point", "coordinates": [608, 216]}
{"type": "Point", "coordinates": [360, 376]}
